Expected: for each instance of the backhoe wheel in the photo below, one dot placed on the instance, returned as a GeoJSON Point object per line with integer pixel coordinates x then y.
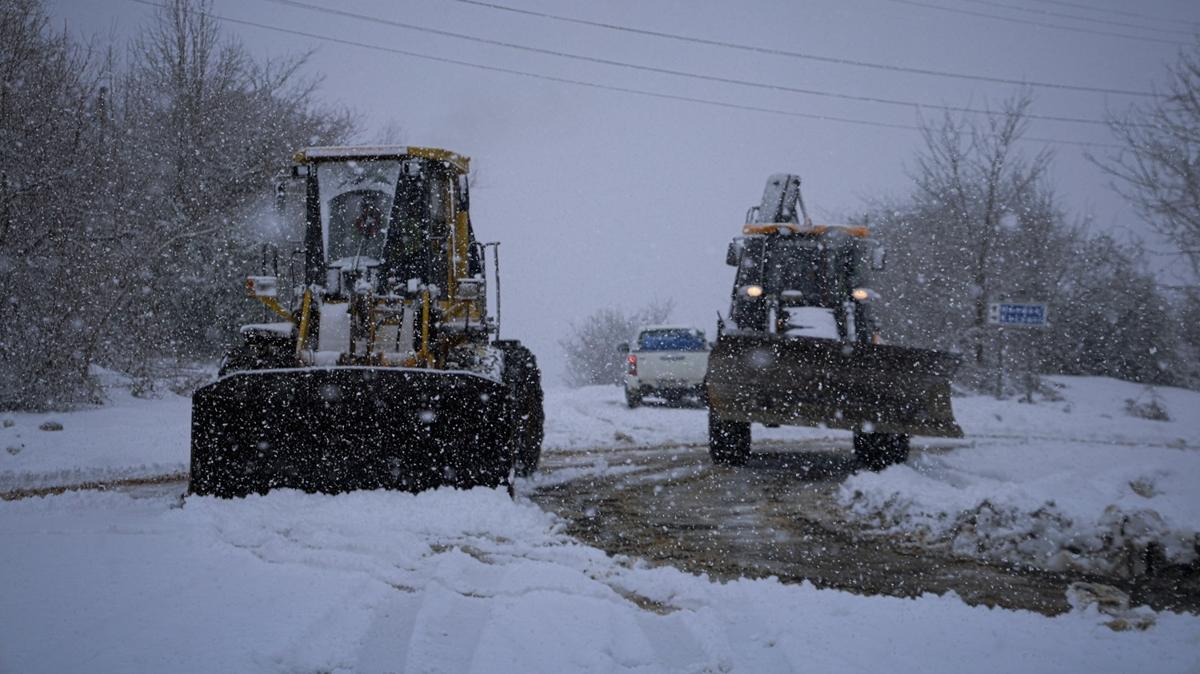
{"type": "Point", "coordinates": [633, 398]}
{"type": "Point", "coordinates": [524, 381]}
{"type": "Point", "coordinates": [728, 441]}
{"type": "Point", "coordinates": [876, 451]}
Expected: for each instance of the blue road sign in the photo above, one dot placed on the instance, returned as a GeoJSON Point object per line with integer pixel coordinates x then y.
{"type": "Point", "coordinates": [1017, 314]}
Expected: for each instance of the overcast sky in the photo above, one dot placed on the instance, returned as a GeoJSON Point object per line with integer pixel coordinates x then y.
{"type": "Point", "coordinates": [610, 198]}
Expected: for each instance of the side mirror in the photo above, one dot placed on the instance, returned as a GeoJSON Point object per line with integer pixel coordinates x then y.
{"type": "Point", "coordinates": [262, 286]}
{"type": "Point", "coordinates": [878, 258]}
{"type": "Point", "coordinates": [623, 347]}
{"type": "Point", "coordinates": [733, 255]}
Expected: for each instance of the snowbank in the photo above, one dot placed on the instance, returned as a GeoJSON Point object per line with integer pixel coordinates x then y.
{"type": "Point", "coordinates": [1076, 483]}
{"type": "Point", "coordinates": [449, 581]}
{"type": "Point", "coordinates": [596, 417]}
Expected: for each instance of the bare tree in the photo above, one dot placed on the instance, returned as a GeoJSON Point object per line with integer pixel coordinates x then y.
{"type": "Point", "coordinates": [591, 346]}
{"type": "Point", "coordinates": [1158, 169]}
{"type": "Point", "coordinates": [983, 224]}
{"type": "Point", "coordinates": [213, 128]}
{"type": "Point", "coordinates": [970, 178]}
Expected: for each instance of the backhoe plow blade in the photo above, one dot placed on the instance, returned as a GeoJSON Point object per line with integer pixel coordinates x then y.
{"type": "Point", "coordinates": [345, 428]}
{"type": "Point", "coordinates": [809, 382]}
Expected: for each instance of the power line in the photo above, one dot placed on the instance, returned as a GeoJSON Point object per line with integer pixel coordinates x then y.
{"type": "Point", "coordinates": [596, 85]}
{"type": "Point", "coordinates": [807, 56]}
{"type": "Point", "coordinates": [1029, 22]}
{"type": "Point", "coordinates": [1077, 17]}
{"type": "Point", "coordinates": [915, 105]}
{"type": "Point", "coordinates": [1119, 12]}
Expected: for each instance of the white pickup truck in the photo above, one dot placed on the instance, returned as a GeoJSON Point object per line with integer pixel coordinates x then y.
{"type": "Point", "coordinates": [667, 361]}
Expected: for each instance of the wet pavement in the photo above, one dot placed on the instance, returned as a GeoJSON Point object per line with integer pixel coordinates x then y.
{"type": "Point", "coordinates": [778, 516]}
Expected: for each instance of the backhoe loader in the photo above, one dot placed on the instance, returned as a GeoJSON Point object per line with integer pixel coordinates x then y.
{"type": "Point", "coordinates": [801, 346]}
{"type": "Point", "coordinates": [384, 367]}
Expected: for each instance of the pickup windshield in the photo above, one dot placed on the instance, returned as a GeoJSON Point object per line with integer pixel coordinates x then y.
{"type": "Point", "coordinates": [672, 340]}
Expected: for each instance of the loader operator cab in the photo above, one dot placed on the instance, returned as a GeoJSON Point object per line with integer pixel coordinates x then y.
{"type": "Point", "coordinates": [386, 219]}
{"type": "Point", "coordinates": [387, 370]}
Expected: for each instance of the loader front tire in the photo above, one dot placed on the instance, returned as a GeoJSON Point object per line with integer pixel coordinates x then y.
{"type": "Point", "coordinates": [876, 451]}
{"type": "Point", "coordinates": [524, 381]}
{"type": "Point", "coordinates": [728, 441]}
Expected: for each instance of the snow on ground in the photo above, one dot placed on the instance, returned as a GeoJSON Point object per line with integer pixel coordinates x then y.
{"type": "Point", "coordinates": [1076, 482]}
{"type": "Point", "coordinates": [1073, 483]}
{"type": "Point", "coordinates": [127, 438]}
{"type": "Point", "coordinates": [451, 581]}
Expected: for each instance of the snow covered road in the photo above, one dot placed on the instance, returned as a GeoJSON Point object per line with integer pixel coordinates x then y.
{"type": "Point", "coordinates": [451, 581]}
{"type": "Point", "coordinates": [464, 582]}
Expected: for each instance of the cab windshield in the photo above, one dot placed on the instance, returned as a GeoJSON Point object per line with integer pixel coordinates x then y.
{"type": "Point", "coordinates": [356, 208]}
{"type": "Point", "coordinates": [790, 268]}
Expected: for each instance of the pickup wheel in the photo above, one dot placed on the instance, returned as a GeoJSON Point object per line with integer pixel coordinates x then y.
{"type": "Point", "coordinates": [633, 398]}
{"type": "Point", "coordinates": [876, 451]}
{"type": "Point", "coordinates": [728, 441]}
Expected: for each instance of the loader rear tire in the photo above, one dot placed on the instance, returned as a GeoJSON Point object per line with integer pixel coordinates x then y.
{"type": "Point", "coordinates": [259, 353]}
{"type": "Point", "coordinates": [524, 381]}
{"type": "Point", "coordinates": [876, 451]}
{"type": "Point", "coordinates": [728, 441]}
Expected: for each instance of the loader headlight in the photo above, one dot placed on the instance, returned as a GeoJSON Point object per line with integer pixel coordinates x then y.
{"type": "Point", "coordinates": [863, 294]}
{"type": "Point", "coordinates": [753, 291]}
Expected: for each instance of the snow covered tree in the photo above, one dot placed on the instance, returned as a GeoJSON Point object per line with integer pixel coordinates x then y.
{"type": "Point", "coordinates": [971, 181]}
{"type": "Point", "coordinates": [983, 225]}
{"type": "Point", "coordinates": [129, 194]}
{"type": "Point", "coordinates": [1111, 319]}
{"type": "Point", "coordinates": [49, 126]}
{"type": "Point", "coordinates": [213, 127]}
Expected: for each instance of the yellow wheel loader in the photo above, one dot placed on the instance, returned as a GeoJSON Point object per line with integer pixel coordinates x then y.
{"type": "Point", "coordinates": [801, 346]}
{"type": "Point", "coordinates": [384, 368]}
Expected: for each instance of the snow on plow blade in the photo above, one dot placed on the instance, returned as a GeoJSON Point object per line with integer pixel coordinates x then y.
{"type": "Point", "coordinates": [806, 381]}
{"type": "Point", "coordinates": [346, 428]}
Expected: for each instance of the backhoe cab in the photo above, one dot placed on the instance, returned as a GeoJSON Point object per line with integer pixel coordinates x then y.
{"type": "Point", "coordinates": [802, 346]}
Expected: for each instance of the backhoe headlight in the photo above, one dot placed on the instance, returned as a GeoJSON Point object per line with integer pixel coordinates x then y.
{"type": "Point", "coordinates": [753, 291]}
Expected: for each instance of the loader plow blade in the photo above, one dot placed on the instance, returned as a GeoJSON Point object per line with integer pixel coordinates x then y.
{"type": "Point", "coordinates": [345, 428]}
{"type": "Point", "coordinates": [809, 382]}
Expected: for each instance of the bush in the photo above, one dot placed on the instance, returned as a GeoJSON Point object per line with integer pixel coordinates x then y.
{"type": "Point", "coordinates": [591, 346]}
